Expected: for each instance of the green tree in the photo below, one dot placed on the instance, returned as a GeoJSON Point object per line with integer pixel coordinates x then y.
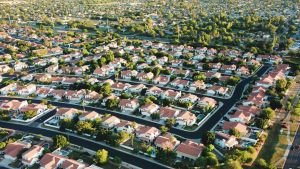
{"type": "Point", "coordinates": [208, 138]}
{"type": "Point", "coordinates": [267, 113]}
{"type": "Point", "coordinates": [234, 132]}
{"type": "Point", "coordinates": [101, 157]}
{"type": "Point", "coordinates": [60, 141]}
{"type": "Point", "coordinates": [164, 129]}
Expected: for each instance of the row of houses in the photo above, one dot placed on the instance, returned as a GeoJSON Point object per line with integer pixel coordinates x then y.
{"type": "Point", "coordinates": [250, 108]}
{"type": "Point", "coordinates": [150, 135]}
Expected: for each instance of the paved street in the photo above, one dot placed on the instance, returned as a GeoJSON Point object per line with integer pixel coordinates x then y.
{"type": "Point", "coordinates": [293, 159]}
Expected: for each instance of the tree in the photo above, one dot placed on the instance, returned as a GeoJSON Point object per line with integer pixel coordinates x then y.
{"type": "Point", "coordinates": [2, 145]}
{"type": "Point", "coordinates": [212, 159]}
{"type": "Point", "coordinates": [233, 80]}
{"type": "Point", "coordinates": [60, 141]}
{"type": "Point", "coordinates": [267, 113]}
{"type": "Point", "coordinates": [117, 161]}
{"type": "Point", "coordinates": [101, 157]}
{"type": "Point", "coordinates": [208, 138]}
{"type": "Point", "coordinates": [281, 84]}
{"type": "Point", "coordinates": [232, 164]}
{"type": "Point", "coordinates": [29, 114]}
{"type": "Point", "coordinates": [164, 129]}
{"type": "Point", "coordinates": [170, 122]}
{"type": "Point", "coordinates": [262, 123]}
{"type": "Point", "coordinates": [166, 156]}
{"type": "Point", "coordinates": [234, 132]}
{"type": "Point", "coordinates": [155, 116]}
{"type": "Point", "coordinates": [201, 162]}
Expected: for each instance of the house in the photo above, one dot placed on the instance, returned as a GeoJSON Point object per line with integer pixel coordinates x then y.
{"type": "Point", "coordinates": [32, 155]}
{"type": "Point", "coordinates": [100, 72]}
{"type": "Point", "coordinates": [256, 99]}
{"type": "Point", "coordinates": [12, 150]}
{"type": "Point", "coordinates": [148, 109]}
{"type": "Point", "coordinates": [241, 117]}
{"type": "Point", "coordinates": [154, 91]}
{"type": "Point", "coordinates": [111, 97]}
{"type": "Point", "coordinates": [241, 128]}
{"type": "Point", "coordinates": [43, 77]}
{"type": "Point", "coordinates": [168, 113]}
{"type": "Point", "coordinates": [119, 87]}
{"type": "Point", "coordinates": [215, 66]}
{"type": "Point", "coordinates": [57, 80]}
{"type": "Point", "coordinates": [137, 88]}
{"type": "Point", "coordinates": [57, 94]}
{"type": "Point", "coordinates": [19, 66]}
{"type": "Point", "coordinates": [51, 161]}
{"type": "Point", "coordinates": [9, 88]}
{"type": "Point", "coordinates": [213, 90]}
{"type": "Point", "coordinates": [28, 77]}
{"type": "Point", "coordinates": [228, 68]}
{"type": "Point", "coordinates": [89, 115]}
{"type": "Point", "coordinates": [186, 118]}
{"type": "Point", "coordinates": [62, 113]}
{"type": "Point", "coordinates": [4, 68]}
{"type": "Point", "coordinates": [91, 97]}
{"type": "Point", "coordinates": [179, 83]}
{"type": "Point", "coordinates": [52, 68]}
{"type": "Point", "coordinates": [38, 108]}
{"type": "Point", "coordinates": [27, 90]}
{"type": "Point", "coordinates": [161, 80]}
{"type": "Point", "coordinates": [74, 95]}
{"type": "Point", "coordinates": [71, 80]}
{"type": "Point", "coordinates": [207, 102]}
{"type": "Point", "coordinates": [14, 105]}
{"type": "Point", "coordinates": [243, 71]}
{"type": "Point", "coordinates": [125, 126]}
{"type": "Point", "coordinates": [253, 110]}
{"type": "Point", "coordinates": [72, 164]}
{"type": "Point", "coordinates": [43, 92]}
{"type": "Point", "coordinates": [145, 77]}
{"type": "Point", "coordinates": [166, 141]}
{"type": "Point", "coordinates": [110, 121]}
{"type": "Point", "coordinates": [147, 133]}
{"type": "Point", "coordinates": [127, 105]}
{"type": "Point", "coordinates": [171, 94]}
{"type": "Point", "coordinates": [210, 75]}
{"type": "Point", "coordinates": [189, 150]}
{"type": "Point", "coordinates": [225, 141]}
{"type": "Point", "coordinates": [197, 85]}
{"type": "Point", "coordinates": [188, 97]}
{"type": "Point", "coordinates": [128, 74]}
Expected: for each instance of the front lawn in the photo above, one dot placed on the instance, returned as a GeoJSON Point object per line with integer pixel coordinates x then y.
{"type": "Point", "coordinates": [84, 156]}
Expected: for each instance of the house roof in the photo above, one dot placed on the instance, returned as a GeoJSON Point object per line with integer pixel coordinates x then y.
{"type": "Point", "coordinates": [32, 152]}
{"type": "Point", "coordinates": [236, 125]}
{"type": "Point", "coordinates": [190, 148]}
{"type": "Point", "coordinates": [50, 160]}
{"type": "Point", "coordinates": [166, 141]}
{"type": "Point", "coordinates": [13, 149]}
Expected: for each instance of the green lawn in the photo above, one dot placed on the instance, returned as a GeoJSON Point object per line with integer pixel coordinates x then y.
{"type": "Point", "coordinates": [269, 147]}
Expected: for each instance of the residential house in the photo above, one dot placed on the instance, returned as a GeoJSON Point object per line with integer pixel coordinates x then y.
{"type": "Point", "coordinates": [168, 113]}
{"type": "Point", "coordinates": [128, 74]}
{"type": "Point", "coordinates": [188, 97]}
{"type": "Point", "coordinates": [147, 133]}
{"type": "Point", "coordinates": [9, 88]}
{"type": "Point", "coordinates": [4, 68]}
{"type": "Point", "coordinates": [154, 91]}
{"type": "Point", "coordinates": [19, 66]}
{"type": "Point", "coordinates": [179, 83]}
{"type": "Point", "coordinates": [186, 118]}
{"type": "Point", "coordinates": [148, 109]}
{"type": "Point", "coordinates": [110, 121]}
{"type": "Point", "coordinates": [225, 141]}
{"type": "Point", "coordinates": [145, 77]}
{"type": "Point", "coordinates": [166, 141]}
{"type": "Point", "coordinates": [161, 80]}
{"type": "Point", "coordinates": [241, 117]}
{"type": "Point", "coordinates": [62, 113]}
{"type": "Point", "coordinates": [197, 85]}
{"type": "Point", "coordinates": [137, 88]}
{"type": "Point", "coordinates": [89, 115]}
{"type": "Point", "coordinates": [57, 94]}
{"type": "Point", "coordinates": [72, 164]}
{"type": "Point", "coordinates": [241, 128]}
{"type": "Point", "coordinates": [207, 102]}
{"type": "Point", "coordinates": [127, 105]}
{"type": "Point", "coordinates": [52, 68]}
{"type": "Point", "coordinates": [12, 150]}
{"type": "Point", "coordinates": [119, 87]}
{"type": "Point", "coordinates": [43, 92]}
{"type": "Point", "coordinates": [213, 90]}
{"type": "Point", "coordinates": [51, 161]}
{"type": "Point", "coordinates": [91, 97]}
{"type": "Point", "coordinates": [125, 126]}
{"type": "Point", "coordinates": [189, 150]}
{"type": "Point", "coordinates": [32, 155]}
{"type": "Point", "coordinates": [27, 90]}
{"type": "Point", "coordinates": [13, 105]}
{"type": "Point", "coordinates": [171, 94]}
